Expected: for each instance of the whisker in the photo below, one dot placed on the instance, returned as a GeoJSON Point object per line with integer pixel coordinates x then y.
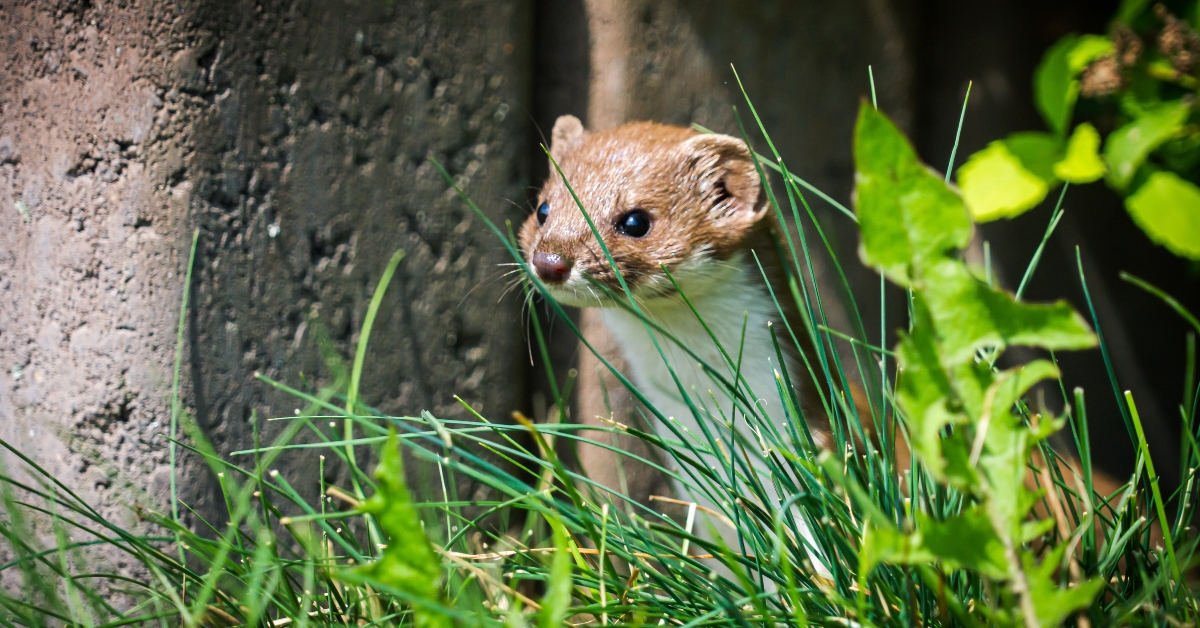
{"type": "Point", "coordinates": [511, 285]}
{"type": "Point", "coordinates": [488, 279]}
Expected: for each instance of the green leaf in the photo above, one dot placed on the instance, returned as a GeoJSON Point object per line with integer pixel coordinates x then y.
{"type": "Point", "coordinates": [1167, 208]}
{"type": "Point", "coordinates": [557, 600]}
{"type": "Point", "coordinates": [1007, 444]}
{"type": "Point", "coordinates": [1087, 48]}
{"type": "Point", "coordinates": [409, 562]}
{"type": "Point", "coordinates": [1055, 87]}
{"type": "Point", "coordinates": [1128, 146]}
{"type": "Point", "coordinates": [1031, 530]}
{"type": "Point", "coordinates": [970, 315]}
{"type": "Point", "coordinates": [1055, 81]}
{"type": "Point", "coordinates": [1013, 383]}
{"type": "Point", "coordinates": [967, 540]}
{"type": "Point", "coordinates": [888, 545]}
{"type": "Point", "coordinates": [995, 184]}
{"type": "Point", "coordinates": [978, 384]}
{"type": "Point", "coordinates": [1037, 151]}
{"type": "Point", "coordinates": [1082, 163]}
{"type": "Point", "coordinates": [922, 390]}
{"type": "Point", "coordinates": [908, 216]}
{"type": "Point", "coordinates": [1052, 604]}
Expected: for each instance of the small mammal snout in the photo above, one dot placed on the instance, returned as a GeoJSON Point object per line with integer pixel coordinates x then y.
{"type": "Point", "coordinates": [551, 267]}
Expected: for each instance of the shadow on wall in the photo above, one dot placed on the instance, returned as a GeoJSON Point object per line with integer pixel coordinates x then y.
{"type": "Point", "coordinates": [315, 131]}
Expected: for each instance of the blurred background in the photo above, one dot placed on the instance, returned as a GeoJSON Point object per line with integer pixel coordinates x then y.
{"type": "Point", "coordinates": [293, 137]}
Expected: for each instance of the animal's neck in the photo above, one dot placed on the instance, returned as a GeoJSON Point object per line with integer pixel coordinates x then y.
{"type": "Point", "coordinates": [733, 300]}
{"type": "Point", "coordinates": [733, 307]}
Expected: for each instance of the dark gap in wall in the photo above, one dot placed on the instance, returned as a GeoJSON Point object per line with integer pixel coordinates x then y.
{"type": "Point", "coordinates": [562, 71]}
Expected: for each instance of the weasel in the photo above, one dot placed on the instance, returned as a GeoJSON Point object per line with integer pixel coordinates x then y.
{"type": "Point", "coordinates": [671, 200]}
{"type": "Point", "coordinates": [683, 214]}
{"type": "Point", "coordinates": [679, 211]}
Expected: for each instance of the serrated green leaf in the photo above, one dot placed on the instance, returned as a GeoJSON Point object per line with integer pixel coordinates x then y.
{"type": "Point", "coordinates": [956, 451]}
{"type": "Point", "coordinates": [1007, 443]}
{"type": "Point", "coordinates": [972, 379]}
{"type": "Point", "coordinates": [1128, 146]}
{"type": "Point", "coordinates": [1003, 464]}
{"type": "Point", "coordinates": [408, 563]}
{"type": "Point", "coordinates": [970, 315]}
{"type": "Point", "coordinates": [908, 216]}
{"type": "Point", "coordinates": [1053, 604]}
{"type": "Point", "coordinates": [995, 184]}
{"type": "Point", "coordinates": [1013, 383]}
{"type": "Point", "coordinates": [1037, 151]}
{"type": "Point", "coordinates": [1082, 164]}
{"type": "Point", "coordinates": [1167, 208]}
{"type": "Point", "coordinates": [1055, 87]}
{"type": "Point", "coordinates": [967, 540]}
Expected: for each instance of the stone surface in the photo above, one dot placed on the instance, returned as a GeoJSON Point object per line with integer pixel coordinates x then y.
{"type": "Point", "coordinates": [295, 138]}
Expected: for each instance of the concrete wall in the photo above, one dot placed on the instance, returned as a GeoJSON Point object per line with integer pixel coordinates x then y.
{"type": "Point", "coordinates": [295, 137]}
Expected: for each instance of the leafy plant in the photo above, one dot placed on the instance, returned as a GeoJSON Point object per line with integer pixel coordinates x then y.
{"type": "Point", "coordinates": [1139, 83]}
{"type": "Point", "coordinates": [982, 524]}
{"type": "Point", "coordinates": [957, 407]}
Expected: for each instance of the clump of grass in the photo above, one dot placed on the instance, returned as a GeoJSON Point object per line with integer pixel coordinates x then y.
{"type": "Point", "coordinates": [551, 546]}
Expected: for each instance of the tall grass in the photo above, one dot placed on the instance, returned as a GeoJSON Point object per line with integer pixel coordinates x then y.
{"type": "Point", "coordinates": [550, 545]}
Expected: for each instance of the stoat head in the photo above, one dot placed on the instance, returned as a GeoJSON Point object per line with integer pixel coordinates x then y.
{"type": "Point", "coordinates": [659, 196]}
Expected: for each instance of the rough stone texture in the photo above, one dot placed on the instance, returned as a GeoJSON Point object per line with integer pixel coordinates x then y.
{"type": "Point", "coordinates": [89, 248]}
{"type": "Point", "coordinates": [294, 136]}
{"type": "Point", "coordinates": [314, 169]}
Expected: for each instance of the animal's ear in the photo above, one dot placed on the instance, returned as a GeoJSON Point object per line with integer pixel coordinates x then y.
{"type": "Point", "coordinates": [728, 180]}
{"type": "Point", "coordinates": [567, 134]}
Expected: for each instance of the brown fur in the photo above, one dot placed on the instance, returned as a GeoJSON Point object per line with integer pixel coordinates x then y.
{"type": "Point", "coordinates": [704, 197]}
{"type": "Point", "coordinates": [701, 191]}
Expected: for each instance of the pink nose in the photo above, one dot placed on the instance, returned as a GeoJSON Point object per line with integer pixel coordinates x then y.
{"type": "Point", "coordinates": [551, 267]}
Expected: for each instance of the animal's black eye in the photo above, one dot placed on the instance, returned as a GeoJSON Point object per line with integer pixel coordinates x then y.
{"type": "Point", "coordinates": [543, 212]}
{"type": "Point", "coordinates": [635, 224]}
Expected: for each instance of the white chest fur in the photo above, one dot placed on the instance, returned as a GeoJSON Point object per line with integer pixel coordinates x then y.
{"type": "Point", "coordinates": [733, 301]}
